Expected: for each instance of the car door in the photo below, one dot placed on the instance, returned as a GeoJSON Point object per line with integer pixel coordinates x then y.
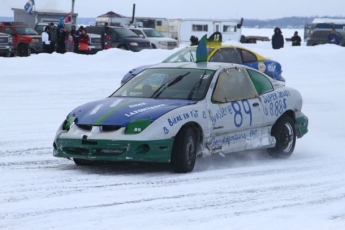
{"type": "Point", "coordinates": [236, 112]}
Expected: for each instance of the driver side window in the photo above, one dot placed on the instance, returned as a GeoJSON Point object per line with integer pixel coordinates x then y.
{"type": "Point", "coordinates": [233, 85]}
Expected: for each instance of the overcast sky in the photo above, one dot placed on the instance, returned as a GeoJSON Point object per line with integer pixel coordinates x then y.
{"type": "Point", "coordinates": [221, 9]}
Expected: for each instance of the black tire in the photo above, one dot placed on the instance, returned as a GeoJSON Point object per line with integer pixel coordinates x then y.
{"type": "Point", "coordinates": [184, 151]}
{"type": "Point", "coordinates": [154, 46]}
{"type": "Point", "coordinates": [82, 162]}
{"type": "Point", "coordinates": [24, 50]}
{"type": "Point", "coordinates": [123, 47]}
{"type": "Point", "coordinates": [284, 132]}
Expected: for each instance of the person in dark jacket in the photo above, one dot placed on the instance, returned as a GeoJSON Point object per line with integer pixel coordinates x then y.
{"type": "Point", "coordinates": [194, 40]}
{"type": "Point", "coordinates": [106, 37]}
{"type": "Point", "coordinates": [61, 40]}
{"type": "Point", "coordinates": [75, 35]}
{"type": "Point", "coordinates": [53, 33]}
{"type": "Point", "coordinates": [296, 39]}
{"type": "Point", "coordinates": [333, 38]}
{"type": "Point", "coordinates": [277, 39]}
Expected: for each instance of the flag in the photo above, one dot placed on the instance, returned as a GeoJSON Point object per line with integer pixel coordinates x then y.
{"type": "Point", "coordinates": [201, 50]}
{"type": "Point", "coordinates": [68, 18]}
{"type": "Point", "coordinates": [29, 6]}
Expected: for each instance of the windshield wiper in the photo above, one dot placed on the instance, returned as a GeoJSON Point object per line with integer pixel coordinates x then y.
{"type": "Point", "coordinates": [168, 84]}
{"type": "Point", "coordinates": [191, 57]}
{"type": "Point", "coordinates": [196, 86]}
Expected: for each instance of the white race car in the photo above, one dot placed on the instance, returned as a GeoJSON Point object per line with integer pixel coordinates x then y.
{"type": "Point", "coordinates": [176, 112]}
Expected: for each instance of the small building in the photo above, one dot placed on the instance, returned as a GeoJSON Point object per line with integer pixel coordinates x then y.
{"type": "Point", "coordinates": [20, 15]}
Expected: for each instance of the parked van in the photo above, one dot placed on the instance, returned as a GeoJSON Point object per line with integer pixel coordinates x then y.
{"type": "Point", "coordinates": [320, 36]}
{"type": "Point", "coordinates": [122, 38]}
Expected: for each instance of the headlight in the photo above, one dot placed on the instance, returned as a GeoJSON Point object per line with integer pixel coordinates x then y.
{"type": "Point", "coordinates": [163, 43]}
{"type": "Point", "coordinates": [35, 40]}
{"type": "Point", "coordinates": [137, 126]}
{"type": "Point", "coordinates": [68, 122]}
{"type": "Point", "coordinates": [10, 40]}
{"type": "Point", "coordinates": [133, 44]}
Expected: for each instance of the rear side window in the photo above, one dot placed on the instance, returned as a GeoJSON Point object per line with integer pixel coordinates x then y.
{"type": "Point", "coordinates": [227, 55]}
{"type": "Point", "coordinates": [248, 56]}
{"type": "Point", "coordinates": [261, 83]}
{"type": "Point", "coordinates": [233, 85]}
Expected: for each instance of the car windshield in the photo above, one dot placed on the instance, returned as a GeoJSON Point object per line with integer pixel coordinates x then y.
{"type": "Point", "coordinates": [185, 55]}
{"type": "Point", "coordinates": [26, 31]}
{"type": "Point", "coordinates": [168, 83]}
{"type": "Point", "coordinates": [153, 33]}
{"type": "Point", "coordinates": [125, 33]}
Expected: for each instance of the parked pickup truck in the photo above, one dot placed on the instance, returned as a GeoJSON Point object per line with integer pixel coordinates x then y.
{"type": "Point", "coordinates": [25, 39]}
{"type": "Point", "coordinates": [6, 45]}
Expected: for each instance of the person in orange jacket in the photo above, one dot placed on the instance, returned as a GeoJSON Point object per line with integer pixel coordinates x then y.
{"type": "Point", "coordinates": [84, 42]}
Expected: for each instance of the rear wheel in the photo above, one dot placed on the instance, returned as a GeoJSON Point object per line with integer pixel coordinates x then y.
{"type": "Point", "coordinates": [184, 150]}
{"type": "Point", "coordinates": [82, 162]}
{"type": "Point", "coordinates": [284, 132]}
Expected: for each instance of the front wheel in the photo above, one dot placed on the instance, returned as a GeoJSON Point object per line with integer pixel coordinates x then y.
{"type": "Point", "coordinates": [184, 150]}
{"type": "Point", "coordinates": [284, 132]}
{"type": "Point", "coordinates": [24, 50]}
{"type": "Point", "coordinates": [123, 47]}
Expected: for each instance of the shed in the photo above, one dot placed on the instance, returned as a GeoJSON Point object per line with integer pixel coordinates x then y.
{"type": "Point", "coordinates": [20, 15]}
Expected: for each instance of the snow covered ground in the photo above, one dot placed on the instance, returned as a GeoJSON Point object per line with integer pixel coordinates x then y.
{"type": "Point", "coordinates": [240, 191]}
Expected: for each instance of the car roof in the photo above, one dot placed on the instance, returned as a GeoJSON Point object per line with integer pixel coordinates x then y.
{"type": "Point", "coordinates": [258, 56]}
{"type": "Point", "coordinates": [193, 65]}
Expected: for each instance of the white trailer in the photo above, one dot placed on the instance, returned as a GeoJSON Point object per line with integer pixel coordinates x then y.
{"type": "Point", "coordinates": [183, 29]}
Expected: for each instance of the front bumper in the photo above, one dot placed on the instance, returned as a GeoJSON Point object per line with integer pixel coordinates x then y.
{"type": "Point", "coordinates": [36, 47]}
{"type": "Point", "coordinates": [302, 125]}
{"type": "Point", "coordinates": [114, 150]}
{"type": "Point", "coordinates": [94, 49]}
{"type": "Point", "coordinates": [139, 48]}
{"type": "Point", "coordinates": [6, 49]}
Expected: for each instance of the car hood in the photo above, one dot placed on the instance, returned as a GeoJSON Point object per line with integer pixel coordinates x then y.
{"type": "Point", "coordinates": [120, 111]}
{"type": "Point", "coordinates": [163, 39]}
{"type": "Point", "coordinates": [139, 40]}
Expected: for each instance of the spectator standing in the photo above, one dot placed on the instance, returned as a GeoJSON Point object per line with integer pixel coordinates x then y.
{"type": "Point", "coordinates": [69, 43]}
{"type": "Point", "coordinates": [333, 38]}
{"type": "Point", "coordinates": [75, 35]}
{"type": "Point", "coordinates": [296, 39]}
{"type": "Point", "coordinates": [46, 40]}
{"type": "Point", "coordinates": [84, 42]}
{"type": "Point", "coordinates": [194, 40]}
{"type": "Point", "coordinates": [106, 37]}
{"type": "Point", "coordinates": [61, 40]}
{"type": "Point", "coordinates": [53, 37]}
{"type": "Point", "coordinates": [277, 39]}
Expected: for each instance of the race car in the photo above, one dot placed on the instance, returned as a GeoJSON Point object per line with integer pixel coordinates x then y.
{"type": "Point", "coordinates": [177, 112]}
{"type": "Point", "coordinates": [221, 53]}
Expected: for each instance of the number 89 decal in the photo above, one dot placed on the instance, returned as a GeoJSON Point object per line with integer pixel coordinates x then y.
{"type": "Point", "coordinates": [240, 110]}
